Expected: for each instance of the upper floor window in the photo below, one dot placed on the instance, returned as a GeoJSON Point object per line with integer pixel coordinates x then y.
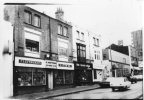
{"type": "Point", "coordinates": [94, 40]}
{"type": "Point", "coordinates": [97, 42]}
{"type": "Point", "coordinates": [82, 36]}
{"type": "Point", "coordinates": [28, 17]}
{"type": "Point", "coordinates": [65, 31]}
{"type": "Point", "coordinates": [97, 55]}
{"type": "Point", "coordinates": [104, 56]}
{"type": "Point", "coordinates": [78, 34]}
{"type": "Point", "coordinates": [32, 46]}
{"type": "Point", "coordinates": [37, 21]}
{"type": "Point", "coordinates": [124, 60]}
{"type": "Point", "coordinates": [81, 52]}
{"type": "Point", "coordinates": [32, 42]}
{"type": "Point", "coordinates": [60, 29]}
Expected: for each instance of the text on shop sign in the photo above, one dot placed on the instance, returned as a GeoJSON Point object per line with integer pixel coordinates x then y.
{"type": "Point", "coordinates": [30, 62]}
{"type": "Point", "coordinates": [64, 65]}
{"type": "Point", "coordinates": [51, 64]}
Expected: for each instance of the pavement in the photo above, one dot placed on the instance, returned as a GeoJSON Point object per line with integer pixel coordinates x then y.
{"type": "Point", "coordinates": [54, 93]}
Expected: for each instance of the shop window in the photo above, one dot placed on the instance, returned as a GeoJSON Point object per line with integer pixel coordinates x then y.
{"type": "Point", "coordinates": [24, 77]}
{"type": "Point", "coordinates": [63, 77]}
{"type": "Point", "coordinates": [95, 74]}
{"type": "Point", "coordinates": [31, 77]}
{"type": "Point", "coordinates": [68, 77]}
{"type": "Point", "coordinates": [37, 21]}
{"type": "Point", "coordinates": [58, 77]}
{"type": "Point", "coordinates": [28, 17]}
{"type": "Point", "coordinates": [39, 77]}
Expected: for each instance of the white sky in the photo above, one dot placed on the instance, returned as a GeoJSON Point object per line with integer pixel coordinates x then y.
{"type": "Point", "coordinates": [113, 19]}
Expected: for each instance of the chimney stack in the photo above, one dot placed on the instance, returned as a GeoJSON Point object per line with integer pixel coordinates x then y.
{"type": "Point", "coordinates": [59, 14]}
{"type": "Point", "coordinates": [120, 42]}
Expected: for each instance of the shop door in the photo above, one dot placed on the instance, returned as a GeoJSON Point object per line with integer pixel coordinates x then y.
{"type": "Point", "coordinates": [99, 75]}
{"type": "Point", "coordinates": [50, 80]}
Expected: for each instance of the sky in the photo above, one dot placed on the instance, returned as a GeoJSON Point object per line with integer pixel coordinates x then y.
{"type": "Point", "coordinates": [113, 19]}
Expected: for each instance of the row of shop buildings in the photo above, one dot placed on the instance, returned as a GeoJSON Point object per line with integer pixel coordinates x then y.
{"type": "Point", "coordinates": [46, 53]}
{"type": "Point", "coordinates": [51, 53]}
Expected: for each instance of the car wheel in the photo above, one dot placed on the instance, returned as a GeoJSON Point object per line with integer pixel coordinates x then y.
{"type": "Point", "coordinates": [126, 87]}
{"type": "Point", "coordinates": [113, 89]}
{"type": "Point", "coordinates": [120, 88]}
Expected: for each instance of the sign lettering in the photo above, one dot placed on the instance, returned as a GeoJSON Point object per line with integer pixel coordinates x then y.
{"type": "Point", "coordinates": [63, 65]}
{"type": "Point", "coordinates": [30, 62]}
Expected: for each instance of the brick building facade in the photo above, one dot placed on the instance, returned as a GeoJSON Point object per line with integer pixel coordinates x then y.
{"type": "Point", "coordinates": [42, 50]}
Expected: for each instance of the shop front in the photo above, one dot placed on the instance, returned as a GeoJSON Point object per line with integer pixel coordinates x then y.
{"type": "Point", "coordinates": [63, 76]}
{"type": "Point", "coordinates": [29, 75]}
{"type": "Point", "coordinates": [100, 72]}
{"type": "Point", "coordinates": [120, 70]}
{"type": "Point", "coordinates": [83, 73]}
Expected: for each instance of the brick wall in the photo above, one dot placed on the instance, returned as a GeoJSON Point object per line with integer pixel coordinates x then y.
{"type": "Point", "coordinates": [48, 25]}
{"type": "Point", "coordinates": [19, 31]}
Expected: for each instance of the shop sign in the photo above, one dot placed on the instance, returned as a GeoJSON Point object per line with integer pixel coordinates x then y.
{"type": "Point", "coordinates": [29, 62]}
{"type": "Point", "coordinates": [83, 65]}
{"type": "Point", "coordinates": [51, 64]}
{"type": "Point", "coordinates": [64, 65]}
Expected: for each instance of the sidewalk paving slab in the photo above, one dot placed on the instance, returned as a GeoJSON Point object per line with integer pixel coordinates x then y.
{"type": "Point", "coordinates": [54, 93]}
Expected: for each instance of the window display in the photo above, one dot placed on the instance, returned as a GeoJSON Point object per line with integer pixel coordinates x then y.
{"type": "Point", "coordinates": [63, 77]}
{"type": "Point", "coordinates": [31, 77]}
{"type": "Point", "coordinates": [68, 77]}
{"type": "Point", "coordinates": [39, 77]}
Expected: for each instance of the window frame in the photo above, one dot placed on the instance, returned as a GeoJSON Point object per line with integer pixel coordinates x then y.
{"type": "Point", "coordinates": [39, 20]}
{"type": "Point", "coordinates": [61, 29]}
{"type": "Point", "coordinates": [30, 17]}
{"type": "Point", "coordinates": [30, 73]}
{"type": "Point", "coordinates": [78, 34]}
{"type": "Point", "coordinates": [81, 52]}
{"type": "Point", "coordinates": [124, 60]}
{"type": "Point", "coordinates": [31, 53]}
{"type": "Point", "coordinates": [97, 41]}
{"type": "Point", "coordinates": [82, 36]}
{"type": "Point", "coordinates": [64, 31]}
{"type": "Point", "coordinates": [94, 40]}
{"type": "Point", "coordinates": [95, 74]}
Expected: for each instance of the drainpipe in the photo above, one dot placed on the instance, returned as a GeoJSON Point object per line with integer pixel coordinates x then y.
{"type": "Point", "coordinates": [50, 38]}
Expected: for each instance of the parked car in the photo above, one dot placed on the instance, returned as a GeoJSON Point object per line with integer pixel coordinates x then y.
{"type": "Point", "coordinates": [138, 77]}
{"type": "Point", "coordinates": [133, 79]}
{"type": "Point", "coordinates": [106, 83]}
{"type": "Point", "coordinates": [120, 83]}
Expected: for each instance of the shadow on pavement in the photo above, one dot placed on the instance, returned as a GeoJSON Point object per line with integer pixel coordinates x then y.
{"type": "Point", "coordinates": [121, 90]}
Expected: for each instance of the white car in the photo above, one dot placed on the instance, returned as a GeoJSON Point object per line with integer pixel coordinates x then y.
{"type": "Point", "coordinates": [138, 77]}
{"type": "Point", "coordinates": [120, 83]}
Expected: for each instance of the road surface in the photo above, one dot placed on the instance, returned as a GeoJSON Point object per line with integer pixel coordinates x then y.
{"type": "Point", "coordinates": [106, 93]}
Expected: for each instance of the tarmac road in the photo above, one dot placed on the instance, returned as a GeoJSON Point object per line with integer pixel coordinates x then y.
{"type": "Point", "coordinates": [134, 92]}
